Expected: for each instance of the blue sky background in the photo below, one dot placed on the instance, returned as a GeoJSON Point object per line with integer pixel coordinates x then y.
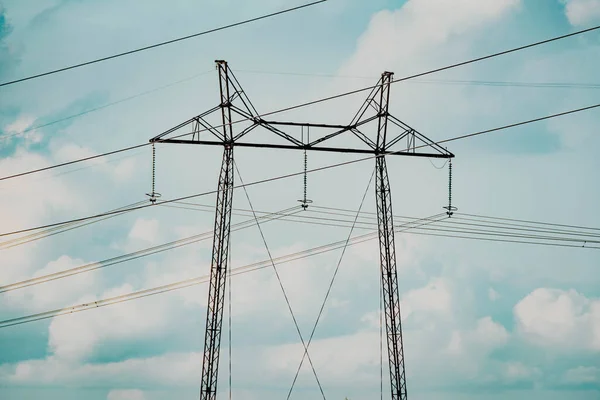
{"type": "Point", "coordinates": [481, 320]}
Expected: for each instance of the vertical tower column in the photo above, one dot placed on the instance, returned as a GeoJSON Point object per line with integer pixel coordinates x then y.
{"type": "Point", "coordinates": [220, 250]}
{"type": "Point", "coordinates": [387, 251]}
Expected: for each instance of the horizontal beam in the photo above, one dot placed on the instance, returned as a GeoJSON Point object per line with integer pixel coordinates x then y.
{"type": "Point", "coordinates": [306, 147]}
{"type": "Point", "coordinates": [307, 124]}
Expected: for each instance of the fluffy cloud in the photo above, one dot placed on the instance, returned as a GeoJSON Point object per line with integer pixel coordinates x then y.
{"type": "Point", "coordinates": [582, 12]}
{"type": "Point", "coordinates": [75, 338]}
{"type": "Point", "coordinates": [487, 335]}
{"type": "Point", "coordinates": [558, 317]}
{"type": "Point", "coordinates": [58, 293]}
{"type": "Point", "coordinates": [418, 26]}
{"type": "Point", "coordinates": [27, 201]}
{"type": "Point", "coordinates": [146, 230]}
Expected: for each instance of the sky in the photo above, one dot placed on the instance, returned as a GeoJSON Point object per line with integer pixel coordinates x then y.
{"type": "Point", "coordinates": [481, 320]}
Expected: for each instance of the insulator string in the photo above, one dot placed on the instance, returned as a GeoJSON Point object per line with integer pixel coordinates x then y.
{"type": "Point", "coordinates": [153, 195]}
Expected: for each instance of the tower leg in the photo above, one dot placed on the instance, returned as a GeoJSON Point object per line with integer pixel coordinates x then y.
{"type": "Point", "coordinates": [220, 251]}
{"type": "Point", "coordinates": [389, 280]}
{"type": "Point", "coordinates": [218, 274]}
{"type": "Point", "coordinates": [387, 250]}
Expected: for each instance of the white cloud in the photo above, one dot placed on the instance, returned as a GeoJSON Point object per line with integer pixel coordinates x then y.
{"type": "Point", "coordinates": [25, 202]}
{"type": "Point", "coordinates": [120, 169]}
{"type": "Point", "coordinates": [58, 293]}
{"type": "Point", "coordinates": [486, 336]}
{"type": "Point", "coordinates": [146, 230]}
{"type": "Point", "coordinates": [19, 125]}
{"type": "Point", "coordinates": [180, 369]}
{"type": "Point", "coordinates": [28, 202]}
{"type": "Point", "coordinates": [582, 12]}
{"type": "Point", "coordinates": [417, 27]}
{"type": "Point", "coordinates": [436, 298]}
{"type": "Point", "coordinates": [581, 375]}
{"type": "Point", "coordinates": [558, 317]}
{"type": "Point", "coordinates": [76, 337]}
{"type": "Point", "coordinates": [125, 394]}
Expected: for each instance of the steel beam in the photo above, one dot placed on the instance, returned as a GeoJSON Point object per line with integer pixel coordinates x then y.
{"type": "Point", "coordinates": [308, 147]}
{"type": "Point", "coordinates": [220, 251]}
{"type": "Point", "coordinates": [387, 253]}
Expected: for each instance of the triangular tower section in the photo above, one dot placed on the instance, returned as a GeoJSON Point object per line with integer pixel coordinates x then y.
{"type": "Point", "coordinates": [372, 130]}
{"type": "Point", "coordinates": [216, 126]}
{"type": "Point", "coordinates": [386, 134]}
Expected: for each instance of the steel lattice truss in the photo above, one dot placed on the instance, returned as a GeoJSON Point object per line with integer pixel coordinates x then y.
{"type": "Point", "coordinates": [390, 137]}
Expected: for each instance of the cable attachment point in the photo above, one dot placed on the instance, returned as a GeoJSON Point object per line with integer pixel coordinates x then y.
{"type": "Point", "coordinates": [153, 195]}
{"type": "Point", "coordinates": [450, 209]}
{"type": "Point", "coordinates": [305, 202]}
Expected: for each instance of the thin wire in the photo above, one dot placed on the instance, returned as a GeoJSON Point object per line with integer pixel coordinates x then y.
{"type": "Point", "coordinates": [479, 216]}
{"type": "Point", "coordinates": [7, 244]}
{"type": "Point", "coordinates": [140, 253]}
{"type": "Point", "coordinates": [369, 216]}
{"type": "Point", "coordinates": [184, 197]}
{"type": "Point", "coordinates": [508, 231]}
{"type": "Point", "coordinates": [159, 44]}
{"type": "Point", "coordinates": [281, 284]}
{"type": "Point", "coordinates": [514, 125]}
{"type": "Point", "coordinates": [203, 279]}
{"type": "Point", "coordinates": [108, 153]}
{"type": "Point", "coordinates": [432, 71]}
{"type": "Point", "coordinates": [91, 110]}
{"type": "Point", "coordinates": [273, 216]}
{"type": "Point", "coordinates": [180, 284]}
{"type": "Point", "coordinates": [278, 111]}
{"type": "Point", "coordinates": [529, 222]}
{"type": "Point", "coordinates": [269, 179]}
{"type": "Point", "coordinates": [434, 166]}
{"type": "Point", "coordinates": [559, 85]}
{"type": "Point", "coordinates": [335, 272]}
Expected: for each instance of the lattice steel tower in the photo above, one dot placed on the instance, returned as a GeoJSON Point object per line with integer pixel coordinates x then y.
{"type": "Point", "coordinates": [383, 142]}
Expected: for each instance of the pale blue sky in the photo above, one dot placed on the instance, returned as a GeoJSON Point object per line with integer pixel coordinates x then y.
{"type": "Point", "coordinates": [481, 320]}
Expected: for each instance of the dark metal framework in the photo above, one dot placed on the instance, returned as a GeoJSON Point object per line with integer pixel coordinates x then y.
{"type": "Point", "coordinates": [379, 144]}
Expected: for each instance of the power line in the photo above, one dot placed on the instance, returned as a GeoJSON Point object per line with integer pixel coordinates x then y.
{"type": "Point", "coordinates": [366, 214]}
{"type": "Point", "coordinates": [186, 282]}
{"type": "Point", "coordinates": [358, 91]}
{"type": "Point", "coordinates": [488, 224]}
{"type": "Point", "coordinates": [288, 215]}
{"type": "Point", "coordinates": [108, 153]}
{"type": "Point", "coordinates": [267, 217]}
{"type": "Point", "coordinates": [56, 230]}
{"type": "Point", "coordinates": [529, 222]}
{"type": "Point", "coordinates": [333, 165]}
{"type": "Point", "coordinates": [273, 178]}
{"type": "Point", "coordinates": [287, 300]}
{"type": "Point", "coordinates": [432, 71]}
{"type": "Point", "coordinates": [240, 270]}
{"type": "Point", "coordinates": [335, 272]}
{"type": "Point", "coordinates": [153, 46]}
{"type": "Point", "coordinates": [91, 110]}
{"type": "Point", "coordinates": [180, 198]}
{"type": "Point", "coordinates": [560, 85]}
{"type": "Point", "coordinates": [560, 114]}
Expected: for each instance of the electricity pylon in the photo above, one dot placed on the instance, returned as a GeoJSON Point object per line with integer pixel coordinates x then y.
{"type": "Point", "coordinates": [234, 101]}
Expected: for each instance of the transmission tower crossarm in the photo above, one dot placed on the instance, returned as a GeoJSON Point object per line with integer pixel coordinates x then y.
{"type": "Point", "coordinates": [309, 147]}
